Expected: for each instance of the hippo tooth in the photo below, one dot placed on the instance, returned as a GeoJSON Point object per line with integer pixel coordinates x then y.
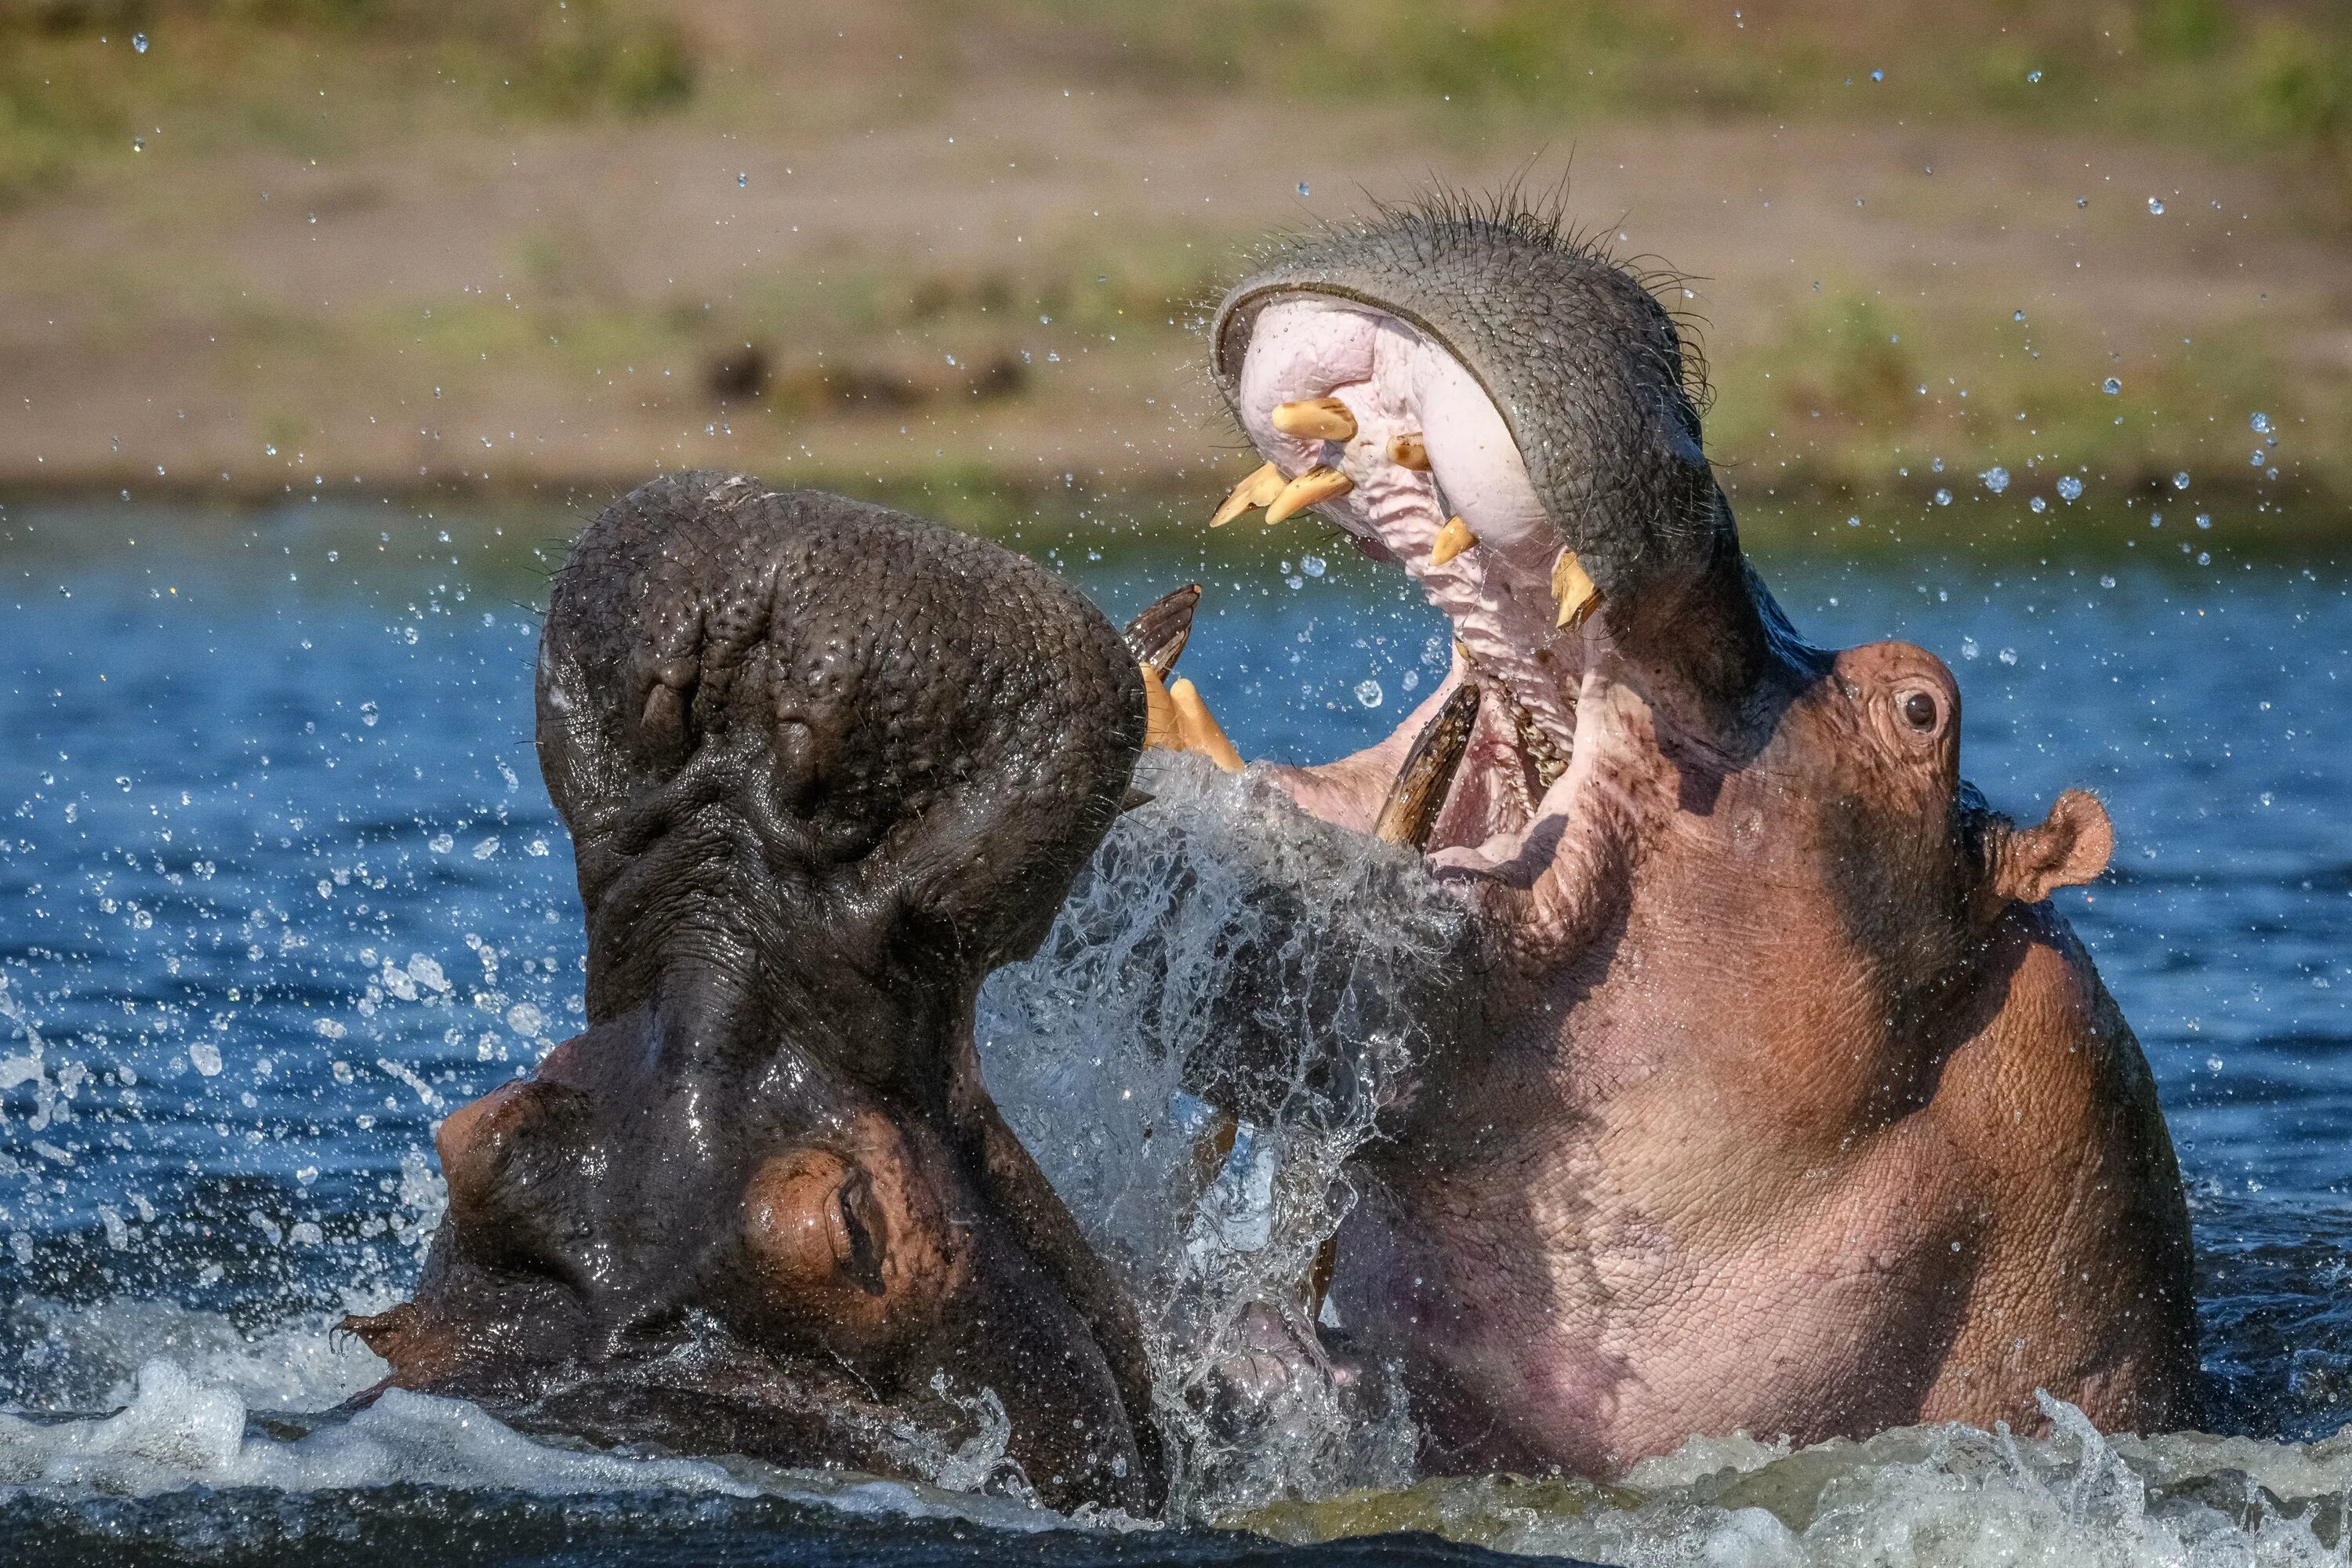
{"type": "Point", "coordinates": [1315, 419]}
{"type": "Point", "coordinates": [1200, 730]}
{"type": "Point", "coordinates": [1410, 811]}
{"type": "Point", "coordinates": [1410, 451]}
{"type": "Point", "coordinates": [1313, 488]}
{"type": "Point", "coordinates": [1451, 541]}
{"type": "Point", "coordinates": [1573, 589]}
{"type": "Point", "coordinates": [1257, 489]}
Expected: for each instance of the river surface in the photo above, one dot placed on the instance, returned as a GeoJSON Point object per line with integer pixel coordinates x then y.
{"type": "Point", "coordinates": [280, 887]}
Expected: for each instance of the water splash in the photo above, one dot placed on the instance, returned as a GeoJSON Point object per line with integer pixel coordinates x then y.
{"type": "Point", "coordinates": [1224, 942]}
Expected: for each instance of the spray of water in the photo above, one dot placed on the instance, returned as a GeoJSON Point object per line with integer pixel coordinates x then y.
{"type": "Point", "coordinates": [1226, 955]}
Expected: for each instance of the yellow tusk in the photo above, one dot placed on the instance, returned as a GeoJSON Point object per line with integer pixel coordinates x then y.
{"type": "Point", "coordinates": [1410, 451]}
{"type": "Point", "coordinates": [1201, 732]}
{"type": "Point", "coordinates": [1312, 487]}
{"type": "Point", "coordinates": [1574, 590]}
{"type": "Point", "coordinates": [1316, 419]}
{"type": "Point", "coordinates": [1451, 541]}
{"type": "Point", "coordinates": [1256, 490]}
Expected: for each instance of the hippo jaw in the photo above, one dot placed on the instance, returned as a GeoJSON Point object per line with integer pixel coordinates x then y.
{"type": "Point", "coordinates": [1505, 415]}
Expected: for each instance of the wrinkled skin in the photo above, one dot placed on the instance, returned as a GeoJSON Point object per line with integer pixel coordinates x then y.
{"type": "Point", "coordinates": [1776, 1095]}
{"type": "Point", "coordinates": [824, 767]}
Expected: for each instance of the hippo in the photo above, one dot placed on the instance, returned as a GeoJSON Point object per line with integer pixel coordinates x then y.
{"type": "Point", "coordinates": [1776, 1096]}
{"type": "Point", "coordinates": [824, 767]}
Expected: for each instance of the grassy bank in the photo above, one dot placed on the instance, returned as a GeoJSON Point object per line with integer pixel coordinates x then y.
{"type": "Point", "coordinates": [916, 246]}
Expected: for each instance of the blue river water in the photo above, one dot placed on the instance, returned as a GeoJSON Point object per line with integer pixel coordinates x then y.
{"type": "Point", "coordinates": [280, 885]}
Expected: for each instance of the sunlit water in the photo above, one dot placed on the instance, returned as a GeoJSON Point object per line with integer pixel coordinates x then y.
{"type": "Point", "coordinates": [280, 885]}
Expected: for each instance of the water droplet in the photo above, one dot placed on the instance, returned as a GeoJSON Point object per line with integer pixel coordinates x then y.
{"type": "Point", "coordinates": [1369, 694]}
{"type": "Point", "coordinates": [2204, 520]}
{"type": "Point", "coordinates": [1996, 480]}
{"type": "Point", "coordinates": [1853, 522]}
{"type": "Point", "coordinates": [207, 1058]}
{"type": "Point", "coordinates": [139, 42]}
{"type": "Point", "coordinates": [2111, 386]}
{"type": "Point", "coordinates": [2261, 423]}
{"type": "Point", "coordinates": [1313, 565]}
{"type": "Point", "coordinates": [2008, 656]}
{"type": "Point", "coordinates": [2106, 582]}
{"type": "Point", "coordinates": [2204, 558]}
{"type": "Point", "coordinates": [2017, 315]}
{"type": "Point", "coordinates": [1878, 75]}
{"type": "Point", "coordinates": [2259, 457]}
{"type": "Point", "coordinates": [2156, 206]}
{"type": "Point", "coordinates": [742, 179]}
{"type": "Point", "coordinates": [2181, 480]}
{"type": "Point", "coordinates": [138, 144]}
{"type": "Point", "coordinates": [1303, 190]}
{"type": "Point", "coordinates": [2037, 504]}
{"type": "Point", "coordinates": [1937, 466]}
{"type": "Point", "coordinates": [2034, 76]}
{"type": "Point", "coordinates": [2069, 486]}
{"type": "Point", "coordinates": [368, 714]}
{"type": "Point", "coordinates": [1943, 498]}
{"type": "Point", "coordinates": [2081, 201]}
{"type": "Point", "coordinates": [1968, 648]}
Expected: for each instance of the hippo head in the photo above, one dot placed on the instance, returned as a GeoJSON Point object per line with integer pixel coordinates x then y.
{"type": "Point", "coordinates": [1513, 418]}
{"type": "Point", "coordinates": [824, 767]}
{"type": "Point", "coordinates": [1771, 1071]}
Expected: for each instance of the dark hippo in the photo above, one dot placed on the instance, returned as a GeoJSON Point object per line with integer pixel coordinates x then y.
{"type": "Point", "coordinates": [1777, 1096]}
{"type": "Point", "coordinates": [824, 767]}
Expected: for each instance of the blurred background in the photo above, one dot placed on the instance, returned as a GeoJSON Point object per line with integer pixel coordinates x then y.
{"type": "Point", "coordinates": [956, 251]}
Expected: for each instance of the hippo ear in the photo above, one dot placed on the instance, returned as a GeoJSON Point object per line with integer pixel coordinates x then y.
{"type": "Point", "coordinates": [2069, 849]}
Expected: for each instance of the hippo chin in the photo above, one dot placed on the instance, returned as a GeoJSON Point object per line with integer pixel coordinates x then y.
{"type": "Point", "coordinates": [824, 767]}
{"type": "Point", "coordinates": [1777, 1096]}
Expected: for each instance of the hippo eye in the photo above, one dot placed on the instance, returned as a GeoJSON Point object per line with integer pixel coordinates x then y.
{"type": "Point", "coordinates": [1919, 711]}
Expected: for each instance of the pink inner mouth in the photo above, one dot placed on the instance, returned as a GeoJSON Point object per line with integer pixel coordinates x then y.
{"type": "Point", "coordinates": [1395, 381]}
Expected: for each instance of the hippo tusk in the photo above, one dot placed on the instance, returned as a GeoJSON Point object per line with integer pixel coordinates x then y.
{"type": "Point", "coordinates": [1158, 636]}
{"type": "Point", "coordinates": [1410, 451]}
{"type": "Point", "coordinates": [1199, 730]}
{"type": "Point", "coordinates": [1313, 488]}
{"type": "Point", "coordinates": [1410, 811]}
{"type": "Point", "coordinates": [1451, 541]}
{"type": "Point", "coordinates": [1573, 588]}
{"type": "Point", "coordinates": [1315, 419]}
{"type": "Point", "coordinates": [1260, 489]}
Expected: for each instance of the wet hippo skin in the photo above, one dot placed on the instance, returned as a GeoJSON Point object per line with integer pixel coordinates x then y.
{"type": "Point", "coordinates": [824, 767]}
{"type": "Point", "coordinates": [1776, 1095]}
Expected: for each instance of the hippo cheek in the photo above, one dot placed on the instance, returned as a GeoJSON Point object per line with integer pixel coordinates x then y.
{"type": "Point", "coordinates": [517, 1163]}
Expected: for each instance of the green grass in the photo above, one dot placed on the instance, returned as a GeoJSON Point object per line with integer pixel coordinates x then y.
{"type": "Point", "coordinates": [2272, 80]}
{"type": "Point", "coordinates": [310, 77]}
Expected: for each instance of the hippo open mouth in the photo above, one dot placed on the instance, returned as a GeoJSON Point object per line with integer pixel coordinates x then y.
{"type": "Point", "coordinates": [1403, 381]}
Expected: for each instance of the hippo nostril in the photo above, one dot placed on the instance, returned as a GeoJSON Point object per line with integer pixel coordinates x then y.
{"type": "Point", "coordinates": [856, 1248]}
{"type": "Point", "coordinates": [1919, 711]}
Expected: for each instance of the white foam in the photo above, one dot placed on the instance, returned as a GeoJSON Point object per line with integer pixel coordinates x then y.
{"type": "Point", "coordinates": [1935, 1497]}
{"type": "Point", "coordinates": [179, 1431]}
